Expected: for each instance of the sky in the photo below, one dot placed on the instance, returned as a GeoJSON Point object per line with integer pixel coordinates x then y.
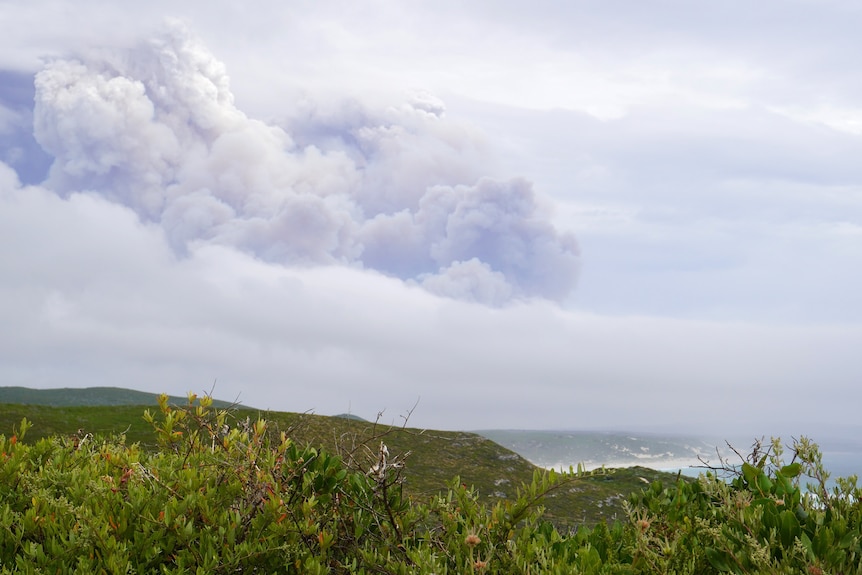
{"type": "Point", "coordinates": [547, 215]}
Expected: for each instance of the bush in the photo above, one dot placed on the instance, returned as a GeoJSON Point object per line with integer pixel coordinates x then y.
{"type": "Point", "coordinates": [757, 520]}
{"type": "Point", "coordinates": [227, 496]}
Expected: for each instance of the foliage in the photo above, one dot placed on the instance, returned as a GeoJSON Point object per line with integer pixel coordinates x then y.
{"type": "Point", "coordinates": [228, 495]}
{"type": "Point", "coordinates": [753, 517]}
{"type": "Point", "coordinates": [436, 456]}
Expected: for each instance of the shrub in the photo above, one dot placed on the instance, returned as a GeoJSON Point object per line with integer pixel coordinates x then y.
{"type": "Point", "coordinates": [227, 496]}
{"type": "Point", "coordinates": [757, 520]}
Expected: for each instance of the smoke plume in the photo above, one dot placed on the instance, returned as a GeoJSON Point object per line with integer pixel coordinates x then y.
{"type": "Point", "coordinates": [155, 128]}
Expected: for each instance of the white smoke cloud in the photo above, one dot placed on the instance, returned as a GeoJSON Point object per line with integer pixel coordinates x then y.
{"type": "Point", "coordinates": [156, 129]}
{"type": "Point", "coordinates": [8, 177]}
{"type": "Point", "coordinates": [472, 280]}
{"type": "Point", "coordinates": [498, 226]}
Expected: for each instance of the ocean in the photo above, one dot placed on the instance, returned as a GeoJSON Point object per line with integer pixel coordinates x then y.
{"type": "Point", "coordinates": [556, 449]}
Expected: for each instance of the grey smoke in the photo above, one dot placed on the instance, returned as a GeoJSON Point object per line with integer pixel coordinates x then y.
{"type": "Point", "coordinates": [156, 129]}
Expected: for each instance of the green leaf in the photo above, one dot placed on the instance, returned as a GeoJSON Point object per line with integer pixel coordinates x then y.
{"type": "Point", "coordinates": [720, 560]}
{"type": "Point", "coordinates": [750, 473]}
{"type": "Point", "coordinates": [764, 484]}
{"type": "Point", "coordinates": [848, 540]}
{"type": "Point", "coordinates": [590, 560]}
{"type": "Point", "coordinates": [791, 470]}
{"type": "Point", "coordinates": [790, 528]}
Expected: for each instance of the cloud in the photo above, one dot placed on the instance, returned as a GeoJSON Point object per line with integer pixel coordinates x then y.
{"type": "Point", "coordinates": [100, 297]}
{"type": "Point", "coordinates": [314, 230]}
{"type": "Point", "coordinates": [8, 178]}
{"type": "Point", "coordinates": [156, 129]}
{"type": "Point", "coordinates": [497, 226]}
{"type": "Point", "coordinates": [470, 281]}
{"type": "Point", "coordinates": [689, 212]}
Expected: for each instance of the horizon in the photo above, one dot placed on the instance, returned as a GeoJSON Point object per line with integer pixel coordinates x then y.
{"type": "Point", "coordinates": [687, 452]}
{"type": "Point", "coordinates": [839, 437]}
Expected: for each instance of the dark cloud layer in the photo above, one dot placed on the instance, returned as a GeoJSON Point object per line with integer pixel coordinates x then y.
{"type": "Point", "coordinates": [156, 129]}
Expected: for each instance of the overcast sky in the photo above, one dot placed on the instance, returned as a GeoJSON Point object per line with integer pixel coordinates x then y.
{"type": "Point", "coordinates": [620, 215]}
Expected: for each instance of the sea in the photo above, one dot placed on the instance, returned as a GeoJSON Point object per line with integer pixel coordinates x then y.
{"type": "Point", "coordinates": [690, 455]}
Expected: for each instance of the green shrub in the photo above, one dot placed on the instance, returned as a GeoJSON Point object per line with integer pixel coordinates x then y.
{"type": "Point", "coordinates": [227, 496]}
{"type": "Point", "coordinates": [759, 521]}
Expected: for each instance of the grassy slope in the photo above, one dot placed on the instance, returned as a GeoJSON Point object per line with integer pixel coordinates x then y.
{"type": "Point", "coordinates": [435, 457]}
{"type": "Point", "coordinates": [68, 396]}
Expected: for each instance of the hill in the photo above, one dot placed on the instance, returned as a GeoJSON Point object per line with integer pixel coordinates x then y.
{"type": "Point", "coordinates": [72, 396]}
{"type": "Point", "coordinates": [433, 458]}
{"type": "Point", "coordinates": [228, 495]}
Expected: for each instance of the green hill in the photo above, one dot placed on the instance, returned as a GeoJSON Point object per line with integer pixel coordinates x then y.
{"type": "Point", "coordinates": [432, 458]}
{"type": "Point", "coordinates": [71, 396]}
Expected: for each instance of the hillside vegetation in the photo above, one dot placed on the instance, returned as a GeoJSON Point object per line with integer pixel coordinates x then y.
{"type": "Point", "coordinates": [218, 494]}
{"type": "Point", "coordinates": [432, 458]}
{"type": "Point", "coordinates": [81, 396]}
